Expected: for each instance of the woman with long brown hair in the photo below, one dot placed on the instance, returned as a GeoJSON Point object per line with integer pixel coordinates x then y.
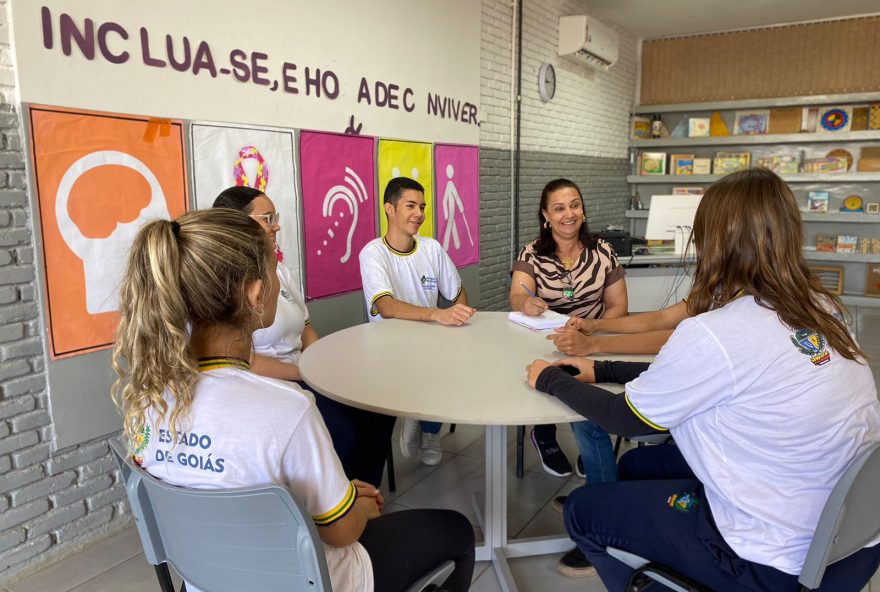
{"type": "Point", "coordinates": [768, 397]}
{"type": "Point", "coordinates": [195, 415]}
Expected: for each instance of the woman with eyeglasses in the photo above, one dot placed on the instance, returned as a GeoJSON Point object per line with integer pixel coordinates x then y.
{"type": "Point", "coordinates": [570, 272]}
{"type": "Point", "coordinates": [359, 437]}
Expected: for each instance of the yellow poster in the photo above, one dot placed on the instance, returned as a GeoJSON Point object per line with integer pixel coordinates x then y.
{"type": "Point", "coordinates": [407, 159]}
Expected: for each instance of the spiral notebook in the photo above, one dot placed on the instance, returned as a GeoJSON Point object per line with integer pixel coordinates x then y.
{"type": "Point", "coordinates": [547, 320]}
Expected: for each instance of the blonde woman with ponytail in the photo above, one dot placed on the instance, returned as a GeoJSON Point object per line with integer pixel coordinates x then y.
{"type": "Point", "coordinates": [194, 291]}
{"type": "Point", "coordinates": [768, 397]}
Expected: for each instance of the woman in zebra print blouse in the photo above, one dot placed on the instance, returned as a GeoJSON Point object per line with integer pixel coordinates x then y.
{"type": "Point", "coordinates": [571, 272]}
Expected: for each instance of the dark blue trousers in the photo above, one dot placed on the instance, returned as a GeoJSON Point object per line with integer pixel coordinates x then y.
{"type": "Point", "coordinates": [360, 437]}
{"type": "Point", "coordinates": [635, 514]}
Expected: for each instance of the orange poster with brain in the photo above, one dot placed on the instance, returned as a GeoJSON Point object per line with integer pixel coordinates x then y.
{"type": "Point", "coordinates": [99, 178]}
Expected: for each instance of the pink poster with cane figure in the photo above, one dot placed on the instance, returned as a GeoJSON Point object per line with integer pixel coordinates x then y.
{"type": "Point", "coordinates": [457, 201]}
{"type": "Point", "coordinates": [339, 209]}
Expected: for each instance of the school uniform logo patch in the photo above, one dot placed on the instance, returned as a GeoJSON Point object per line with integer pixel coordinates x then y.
{"type": "Point", "coordinates": [429, 284]}
{"type": "Point", "coordinates": [140, 444]}
{"type": "Point", "coordinates": [811, 343]}
{"type": "Point", "coordinates": [683, 502]}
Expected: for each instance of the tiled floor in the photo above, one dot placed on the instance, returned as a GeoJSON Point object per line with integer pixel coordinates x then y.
{"type": "Point", "coordinates": [117, 564]}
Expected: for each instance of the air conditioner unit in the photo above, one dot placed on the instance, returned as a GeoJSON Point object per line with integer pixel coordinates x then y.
{"type": "Point", "coordinates": [587, 41]}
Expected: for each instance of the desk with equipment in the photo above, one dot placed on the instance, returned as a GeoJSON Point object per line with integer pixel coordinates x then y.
{"type": "Point", "coordinates": [661, 277]}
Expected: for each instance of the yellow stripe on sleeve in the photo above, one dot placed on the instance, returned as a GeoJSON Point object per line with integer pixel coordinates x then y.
{"type": "Point", "coordinates": [642, 417]}
{"type": "Point", "coordinates": [373, 310]}
{"type": "Point", "coordinates": [339, 510]}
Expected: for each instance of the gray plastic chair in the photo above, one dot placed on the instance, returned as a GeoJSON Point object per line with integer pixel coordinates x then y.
{"type": "Point", "coordinates": [848, 522]}
{"type": "Point", "coordinates": [230, 540]}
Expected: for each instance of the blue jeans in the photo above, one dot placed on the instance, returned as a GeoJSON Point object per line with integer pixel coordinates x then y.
{"type": "Point", "coordinates": [597, 454]}
{"type": "Point", "coordinates": [634, 514]}
{"type": "Point", "coordinates": [430, 427]}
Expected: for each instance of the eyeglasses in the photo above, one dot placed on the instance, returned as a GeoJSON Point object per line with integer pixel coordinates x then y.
{"type": "Point", "coordinates": [270, 219]}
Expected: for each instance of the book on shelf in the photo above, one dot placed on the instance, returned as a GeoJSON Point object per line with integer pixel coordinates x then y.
{"type": "Point", "coordinates": [730, 162]}
{"type": "Point", "coordinates": [784, 120]}
{"type": "Point", "coordinates": [828, 165]}
{"type": "Point", "coordinates": [547, 320]}
{"type": "Point", "coordinates": [652, 163]}
{"type": "Point", "coordinates": [869, 246]}
{"type": "Point", "coordinates": [751, 123]}
{"type": "Point", "coordinates": [846, 243]}
{"type": "Point", "coordinates": [702, 166]}
{"type": "Point", "coordinates": [781, 165]}
{"type": "Point", "coordinates": [869, 159]}
{"type": "Point", "coordinates": [698, 127]}
{"type": "Point", "coordinates": [826, 243]}
{"type": "Point", "coordinates": [817, 201]}
{"type": "Point", "coordinates": [687, 191]}
{"type": "Point", "coordinates": [640, 128]}
{"type": "Point", "coordinates": [872, 280]}
{"type": "Point", "coordinates": [681, 164]}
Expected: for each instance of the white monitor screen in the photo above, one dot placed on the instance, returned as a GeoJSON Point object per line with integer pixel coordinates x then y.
{"type": "Point", "coordinates": [667, 212]}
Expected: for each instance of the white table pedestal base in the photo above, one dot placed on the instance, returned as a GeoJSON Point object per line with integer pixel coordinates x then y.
{"type": "Point", "coordinates": [496, 546]}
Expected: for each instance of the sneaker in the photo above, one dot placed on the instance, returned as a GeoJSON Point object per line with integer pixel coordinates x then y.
{"type": "Point", "coordinates": [579, 468]}
{"type": "Point", "coordinates": [410, 436]}
{"type": "Point", "coordinates": [575, 565]}
{"type": "Point", "coordinates": [430, 452]}
{"type": "Point", "coordinates": [552, 458]}
{"type": "Point", "coordinates": [559, 503]}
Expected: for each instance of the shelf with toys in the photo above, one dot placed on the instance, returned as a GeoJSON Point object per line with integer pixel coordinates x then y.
{"type": "Point", "coordinates": [826, 147]}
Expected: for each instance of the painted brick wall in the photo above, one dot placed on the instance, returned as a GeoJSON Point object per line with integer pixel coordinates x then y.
{"type": "Point", "coordinates": [49, 502]}
{"type": "Point", "coordinates": [581, 134]}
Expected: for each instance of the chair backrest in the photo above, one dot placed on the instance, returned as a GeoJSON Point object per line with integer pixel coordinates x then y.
{"type": "Point", "coordinates": [849, 520]}
{"type": "Point", "coordinates": [226, 540]}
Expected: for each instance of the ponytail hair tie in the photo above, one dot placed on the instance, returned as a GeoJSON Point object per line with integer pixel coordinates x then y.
{"type": "Point", "coordinates": [175, 228]}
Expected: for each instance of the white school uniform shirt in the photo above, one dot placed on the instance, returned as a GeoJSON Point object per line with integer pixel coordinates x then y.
{"type": "Point", "coordinates": [416, 277]}
{"type": "Point", "coordinates": [244, 430]}
{"type": "Point", "coordinates": [283, 339]}
{"type": "Point", "coordinates": [767, 417]}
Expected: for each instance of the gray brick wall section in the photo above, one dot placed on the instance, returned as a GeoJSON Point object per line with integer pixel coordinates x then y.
{"type": "Point", "coordinates": [602, 181]}
{"type": "Point", "coordinates": [50, 501]}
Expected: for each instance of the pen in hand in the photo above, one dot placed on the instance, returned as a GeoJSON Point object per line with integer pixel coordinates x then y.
{"type": "Point", "coordinates": [540, 304]}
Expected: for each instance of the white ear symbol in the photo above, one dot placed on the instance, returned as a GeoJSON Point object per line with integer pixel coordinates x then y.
{"type": "Point", "coordinates": [357, 193]}
{"type": "Point", "coordinates": [104, 258]}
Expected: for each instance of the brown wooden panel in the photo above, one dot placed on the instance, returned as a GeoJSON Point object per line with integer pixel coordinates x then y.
{"type": "Point", "coordinates": [831, 57]}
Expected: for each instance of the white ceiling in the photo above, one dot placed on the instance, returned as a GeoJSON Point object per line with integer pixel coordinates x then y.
{"type": "Point", "coordinates": [664, 18]}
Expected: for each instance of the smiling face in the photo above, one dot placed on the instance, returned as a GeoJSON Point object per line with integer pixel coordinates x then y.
{"type": "Point", "coordinates": [408, 214]}
{"type": "Point", "coordinates": [263, 211]}
{"type": "Point", "coordinates": [564, 212]}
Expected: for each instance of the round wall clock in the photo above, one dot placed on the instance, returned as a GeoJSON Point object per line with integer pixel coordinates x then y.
{"type": "Point", "coordinates": [547, 81]}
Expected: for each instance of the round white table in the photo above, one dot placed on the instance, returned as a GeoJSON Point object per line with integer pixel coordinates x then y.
{"type": "Point", "coordinates": [475, 374]}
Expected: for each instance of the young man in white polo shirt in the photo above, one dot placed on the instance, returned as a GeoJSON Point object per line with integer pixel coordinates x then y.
{"type": "Point", "coordinates": [403, 274]}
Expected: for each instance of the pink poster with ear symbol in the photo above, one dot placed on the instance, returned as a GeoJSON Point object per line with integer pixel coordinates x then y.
{"type": "Point", "coordinates": [457, 201]}
{"type": "Point", "coordinates": [339, 209]}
